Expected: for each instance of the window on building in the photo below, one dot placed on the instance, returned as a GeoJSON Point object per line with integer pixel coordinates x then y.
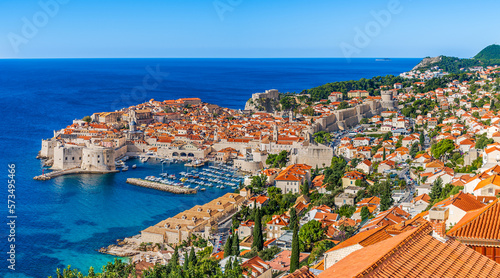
{"type": "Point", "coordinates": [73, 158]}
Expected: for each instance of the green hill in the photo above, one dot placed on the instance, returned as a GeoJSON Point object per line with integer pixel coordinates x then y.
{"type": "Point", "coordinates": [489, 53]}
{"type": "Point", "coordinates": [487, 57]}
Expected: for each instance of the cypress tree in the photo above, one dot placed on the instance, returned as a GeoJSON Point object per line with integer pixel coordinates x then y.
{"type": "Point", "coordinates": [228, 247]}
{"type": "Point", "coordinates": [174, 261]}
{"type": "Point", "coordinates": [237, 267]}
{"type": "Point", "coordinates": [258, 241]}
{"type": "Point", "coordinates": [186, 261]}
{"type": "Point", "coordinates": [293, 218]}
{"type": "Point", "coordinates": [229, 266]}
{"type": "Point", "coordinates": [365, 213]}
{"type": "Point", "coordinates": [383, 154]}
{"type": "Point", "coordinates": [305, 188]}
{"type": "Point", "coordinates": [422, 139]}
{"type": "Point", "coordinates": [192, 257]}
{"type": "Point", "coordinates": [236, 245]}
{"type": "Point", "coordinates": [294, 258]}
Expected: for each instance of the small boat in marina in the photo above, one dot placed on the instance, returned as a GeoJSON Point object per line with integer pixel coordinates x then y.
{"type": "Point", "coordinates": [203, 189]}
{"type": "Point", "coordinates": [134, 166]}
{"type": "Point", "coordinates": [125, 169]}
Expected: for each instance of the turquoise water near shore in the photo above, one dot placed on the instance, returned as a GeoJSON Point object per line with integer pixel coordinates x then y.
{"type": "Point", "coordinates": [65, 220]}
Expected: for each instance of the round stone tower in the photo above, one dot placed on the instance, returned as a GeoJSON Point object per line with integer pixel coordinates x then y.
{"type": "Point", "coordinates": [388, 103]}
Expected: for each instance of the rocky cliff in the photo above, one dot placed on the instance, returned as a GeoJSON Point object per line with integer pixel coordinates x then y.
{"type": "Point", "coordinates": [427, 62]}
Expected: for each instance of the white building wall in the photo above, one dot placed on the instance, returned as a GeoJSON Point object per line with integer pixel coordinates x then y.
{"type": "Point", "coordinates": [48, 148]}
{"type": "Point", "coordinates": [67, 156]}
{"type": "Point", "coordinates": [288, 186]}
{"type": "Point", "coordinates": [98, 159]}
{"type": "Point", "coordinates": [333, 257]}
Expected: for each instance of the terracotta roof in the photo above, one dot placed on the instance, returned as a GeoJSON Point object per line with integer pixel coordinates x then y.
{"type": "Point", "coordinates": [414, 254]}
{"type": "Point", "coordinates": [435, 164]}
{"type": "Point", "coordinates": [482, 223]}
{"type": "Point", "coordinates": [463, 201]}
{"type": "Point", "coordinates": [370, 200]}
{"type": "Point", "coordinates": [282, 220]}
{"type": "Point", "coordinates": [405, 226]}
{"type": "Point", "coordinates": [218, 256]}
{"type": "Point", "coordinates": [141, 266]}
{"type": "Point", "coordinates": [391, 216]}
{"type": "Point", "coordinates": [256, 266]}
{"type": "Point", "coordinates": [281, 261]}
{"type": "Point", "coordinates": [495, 179]}
{"type": "Point", "coordinates": [354, 175]}
{"type": "Point", "coordinates": [364, 239]}
{"type": "Point", "coordinates": [319, 266]}
{"type": "Point", "coordinates": [244, 252]}
{"type": "Point", "coordinates": [261, 199]}
{"type": "Point", "coordinates": [424, 197]}
{"type": "Point", "coordinates": [302, 272]}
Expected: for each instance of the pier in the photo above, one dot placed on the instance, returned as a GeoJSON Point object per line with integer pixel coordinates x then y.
{"type": "Point", "coordinates": [75, 170]}
{"type": "Point", "coordinates": [161, 186]}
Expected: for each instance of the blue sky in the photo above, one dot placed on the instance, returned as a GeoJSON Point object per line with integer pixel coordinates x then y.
{"type": "Point", "coordinates": [246, 28]}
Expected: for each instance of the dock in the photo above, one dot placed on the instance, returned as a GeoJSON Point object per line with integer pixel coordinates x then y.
{"type": "Point", "coordinates": [161, 186]}
{"type": "Point", "coordinates": [75, 170]}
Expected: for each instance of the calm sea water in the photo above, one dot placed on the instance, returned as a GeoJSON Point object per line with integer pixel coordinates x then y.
{"type": "Point", "coordinates": [63, 221]}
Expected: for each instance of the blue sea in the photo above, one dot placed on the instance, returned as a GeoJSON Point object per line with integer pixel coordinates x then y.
{"type": "Point", "coordinates": [65, 220]}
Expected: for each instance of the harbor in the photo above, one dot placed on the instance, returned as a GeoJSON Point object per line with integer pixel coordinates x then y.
{"type": "Point", "coordinates": [219, 176]}
{"type": "Point", "coordinates": [161, 186]}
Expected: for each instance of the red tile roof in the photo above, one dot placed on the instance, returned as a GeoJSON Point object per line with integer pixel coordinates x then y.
{"type": "Point", "coordinates": [370, 200]}
{"type": "Point", "coordinates": [424, 197]}
{"type": "Point", "coordinates": [414, 254]}
{"type": "Point", "coordinates": [364, 239]}
{"type": "Point", "coordinates": [483, 223]}
{"type": "Point", "coordinates": [302, 272]}
{"type": "Point", "coordinates": [282, 260]}
{"type": "Point", "coordinates": [256, 266]}
{"type": "Point", "coordinates": [463, 201]}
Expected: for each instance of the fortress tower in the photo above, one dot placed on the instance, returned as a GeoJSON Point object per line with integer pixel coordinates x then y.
{"type": "Point", "coordinates": [388, 103]}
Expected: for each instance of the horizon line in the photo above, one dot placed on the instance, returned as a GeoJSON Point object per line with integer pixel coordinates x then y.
{"type": "Point", "coordinates": [381, 57]}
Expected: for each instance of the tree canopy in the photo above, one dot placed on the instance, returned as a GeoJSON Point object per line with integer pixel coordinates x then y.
{"type": "Point", "coordinates": [442, 147]}
{"type": "Point", "coordinates": [310, 233]}
{"type": "Point", "coordinates": [277, 160]}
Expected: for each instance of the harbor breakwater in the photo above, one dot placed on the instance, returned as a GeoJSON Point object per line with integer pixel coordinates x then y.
{"type": "Point", "coordinates": [161, 186]}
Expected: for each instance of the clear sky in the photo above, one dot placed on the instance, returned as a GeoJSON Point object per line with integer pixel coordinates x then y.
{"type": "Point", "coordinates": [246, 28]}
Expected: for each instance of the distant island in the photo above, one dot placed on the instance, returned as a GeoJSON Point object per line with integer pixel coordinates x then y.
{"type": "Point", "coordinates": [489, 56]}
